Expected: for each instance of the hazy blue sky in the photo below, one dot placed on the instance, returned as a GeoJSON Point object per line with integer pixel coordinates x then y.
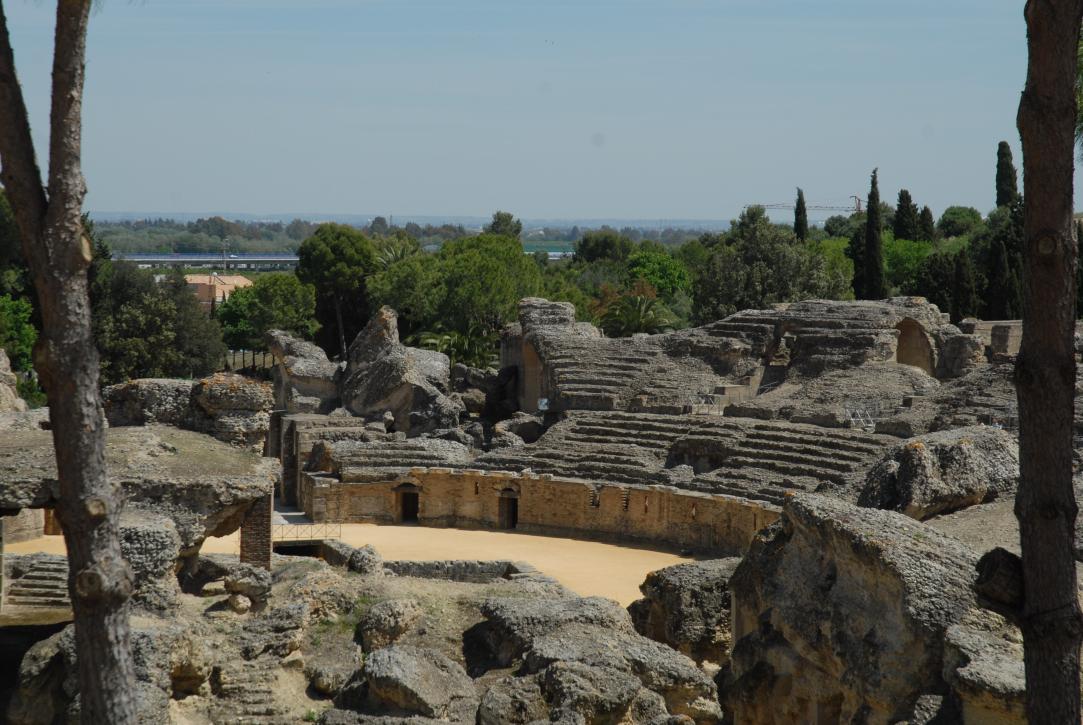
{"type": "Point", "coordinates": [640, 109]}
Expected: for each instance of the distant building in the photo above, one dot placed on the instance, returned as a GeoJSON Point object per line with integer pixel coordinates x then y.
{"type": "Point", "coordinates": [214, 289]}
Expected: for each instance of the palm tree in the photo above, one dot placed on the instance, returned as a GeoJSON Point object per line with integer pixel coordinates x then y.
{"type": "Point", "coordinates": [633, 314]}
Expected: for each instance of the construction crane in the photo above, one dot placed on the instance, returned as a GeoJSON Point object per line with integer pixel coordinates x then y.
{"type": "Point", "coordinates": [855, 209]}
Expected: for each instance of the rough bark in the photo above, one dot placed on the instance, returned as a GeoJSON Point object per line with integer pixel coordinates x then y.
{"type": "Point", "coordinates": [1045, 369]}
{"type": "Point", "coordinates": [66, 359]}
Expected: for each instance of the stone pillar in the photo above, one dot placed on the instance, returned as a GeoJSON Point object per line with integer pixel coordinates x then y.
{"type": "Point", "coordinates": [1000, 338]}
{"type": "Point", "coordinates": [256, 534]}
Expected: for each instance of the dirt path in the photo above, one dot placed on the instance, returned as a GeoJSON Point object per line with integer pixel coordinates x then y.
{"type": "Point", "coordinates": [588, 568]}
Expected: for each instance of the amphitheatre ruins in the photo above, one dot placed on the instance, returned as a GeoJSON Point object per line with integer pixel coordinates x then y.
{"type": "Point", "coordinates": [827, 473]}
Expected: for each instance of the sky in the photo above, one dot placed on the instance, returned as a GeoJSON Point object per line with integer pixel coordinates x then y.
{"type": "Point", "coordinates": [559, 109]}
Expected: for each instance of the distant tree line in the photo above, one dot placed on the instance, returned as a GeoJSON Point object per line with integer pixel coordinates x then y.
{"type": "Point", "coordinates": [454, 290]}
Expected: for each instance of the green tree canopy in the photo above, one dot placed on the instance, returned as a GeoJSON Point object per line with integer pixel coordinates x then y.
{"type": "Point", "coordinates": [875, 286]}
{"type": "Point", "coordinates": [632, 314]}
{"type": "Point", "coordinates": [275, 301]}
{"type": "Point", "coordinates": [661, 270]}
{"type": "Point", "coordinates": [935, 279]}
{"type": "Point", "coordinates": [926, 225]}
{"type": "Point", "coordinates": [505, 224]}
{"type": "Point", "coordinates": [959, 220]}
{"type": "Point", "coordinates": [146, 329]}
{"type": "Point", "coordinates": [1007, 185]}
{"type": "Point", "coordinates": [485, 277]}
{"type": "Point", "coordinates": [760, 265]}
{"type": "Point", "coordinates": [905, 224]}
{"type": "Point", "coordinates": [17, 333]}
{"type": "Point", "coordinates": [415, 288]}
{"type": "Point", "coordinates": [902, 262]}
{"type": "Point", "coordinates": [336, 260]}
{"type": "Point", "coordinates": [800, 217]}
{"type": "Point", "coordinates": [964, 293]}
{"type": "Point", "coordinates": [604, 243]}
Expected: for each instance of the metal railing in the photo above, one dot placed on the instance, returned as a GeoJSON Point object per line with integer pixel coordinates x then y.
{"type": "Point", "coordinates": [296, 532]}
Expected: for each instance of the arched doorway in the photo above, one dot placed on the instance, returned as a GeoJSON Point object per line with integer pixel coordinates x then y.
{"type": "Point", "coordinates": [407, 503]}
{"type": "Point", "coordinates": [509, 509]}
{"type": "Point", "coordinates": [913, 346]}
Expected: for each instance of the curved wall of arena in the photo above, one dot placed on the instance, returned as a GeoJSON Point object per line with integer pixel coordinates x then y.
{"type": "Point", "coordinates": [544, 505]}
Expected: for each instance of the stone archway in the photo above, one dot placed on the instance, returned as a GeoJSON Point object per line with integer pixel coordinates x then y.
{"type": "Point", "coordinates": [407, 503]}
{"type": "Point", "coordinates": [913, 347]}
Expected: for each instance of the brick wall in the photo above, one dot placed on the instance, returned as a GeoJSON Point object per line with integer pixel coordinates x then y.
{"type": "Point", "coordinates": [256, 534]}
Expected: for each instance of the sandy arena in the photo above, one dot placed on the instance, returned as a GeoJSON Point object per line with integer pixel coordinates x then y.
{"type": "Point", "coordinates": [588, 568]}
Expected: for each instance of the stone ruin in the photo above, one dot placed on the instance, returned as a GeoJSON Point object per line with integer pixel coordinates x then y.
{"type": "Point", "coordinates": [837, 467]}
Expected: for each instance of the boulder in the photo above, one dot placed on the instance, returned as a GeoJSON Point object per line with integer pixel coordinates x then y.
{"type": "Point", "coordinates": [840, 614]}
{"type": "Point", "coordinates": [943, 472]}
{"type": "Point", "coordinates": [386, 621]}
{"type": "Point", "coordinates": [10, 402]}
{"type": "Point", "coordinates": [305, 381]}
{"type": "Point", "coordinates": [277, 631]}
{"type": "Point", "coordinates": [687, 607]}
{"type": "Point", "coordinates": [150, 544]}
{"type": "Point", "coordinates": [513, 624]}
{"type": "Point", "coordinates": [384, 375]}
{"type": "Point", "coordinates": [405, 681]}
{"type": "Point", "coordinates": [232, 408]}
{"type": "Point", "coordinates": [591, 641]}
{"type": "Point", "coordinates": [983, 663]}
{"type": "Point", "coordinates": [149, 400]}
{"type": "Point", "coordinates": [251, 582]}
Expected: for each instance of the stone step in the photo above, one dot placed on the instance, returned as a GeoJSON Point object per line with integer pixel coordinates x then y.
{"type": "Point", "coordinates": [35, 601]}
{"type": "Point", "coordinates": [37, 575]}
{"type": "Point", "coordinates": [641, 423]}
{"type": "Point", "coordinates": [38, 589]}
{"type": "Point", "coordinates": [811, 455]}
{"type": "Point", "coordinates": [588, 400]}
{"type": "Point", "coordinates": [643, 442]}
{"type": "Point", "coordinates": [591, 387]}
{"type": "Point", "coordinates": [855, 442]}
{"type": "Point", "coordinates": [787, 468]}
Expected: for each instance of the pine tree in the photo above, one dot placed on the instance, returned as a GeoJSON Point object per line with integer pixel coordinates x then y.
{"type": "Point", "coordinates": [905, 225]}
{"type": "Point", "coordinates": [964, 293]}
{"type": "Point", "coordinates": [1007, 191]}
{"type": "Point", "coordinates": [875, 288]}
{"type": "Point", "coordinates": [926, 225]}
{"type": "Point", "coordinates": [800, 217]}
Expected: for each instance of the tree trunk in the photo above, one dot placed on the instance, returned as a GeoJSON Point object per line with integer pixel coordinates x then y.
{"type": "Point", "coordinates": [66, 359]}
{"type": "Point", "coordinates": [1045, 369]}
{"type": "Point", "coordinates": [338, 321]}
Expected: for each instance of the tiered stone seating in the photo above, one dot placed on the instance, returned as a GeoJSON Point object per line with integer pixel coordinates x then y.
{"type": "Point", "coordinates": [773, 458]}
{"type": "Point", "coordinates": [45, 585]}
{"type": "Point", "coordinates": [611, 447]}
{"type": "Point", "coordinates": [357, 462]}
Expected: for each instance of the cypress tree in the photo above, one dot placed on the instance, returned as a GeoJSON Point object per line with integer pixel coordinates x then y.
{"type": "Point", "coordinates": [905, 224]}
{"type": "Point", "coordinates": [1003, 295]}
{"type": "Point", "coordinates": [926, 225]}
{"type": "Point", "coordinates": [1007, 191]}
{"type": "Point", "coordinates": [964, 293]}
{"type": "Point", "coordinates": [800, 217]}
{"type": "Point", "coordinates": [875, 289]}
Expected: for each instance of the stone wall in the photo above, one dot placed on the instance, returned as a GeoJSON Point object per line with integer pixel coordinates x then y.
{"type": "Point", "coordinates": [545, 505]}
{"type": "Point", "coordinates": [23, 526]}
